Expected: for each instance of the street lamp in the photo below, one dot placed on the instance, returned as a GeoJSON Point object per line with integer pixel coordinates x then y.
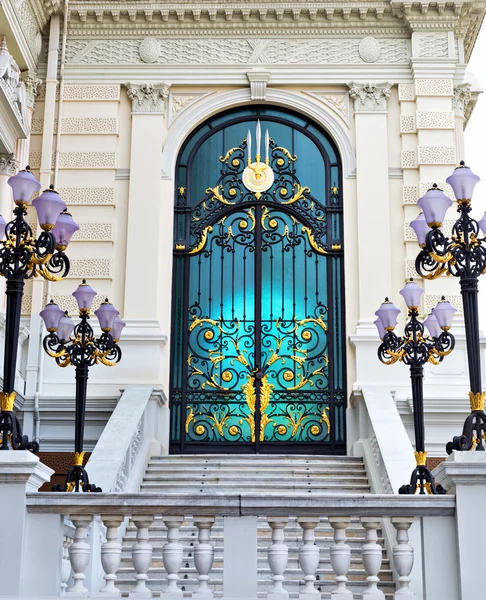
{"type": "Point", "coordinates": [23, 256]}
{"type": "Point", "coordinates": [463, 255]}
{"type": "Point", "coordinates": [415, 349]}
{"type": "Point", "coordinates": [71, 344]}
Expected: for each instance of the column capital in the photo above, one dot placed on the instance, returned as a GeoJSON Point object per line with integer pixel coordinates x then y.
{"type": "Point", "coordinates": [32, 83]}
{"type": "Point", "coordinates": [462, 97]}
{"type": "Point", "coordinates": [148, 98]}
{"type": "Point", "coordinates": [8, 165]}
{"type": "Point", "coordinates": [370, 97]}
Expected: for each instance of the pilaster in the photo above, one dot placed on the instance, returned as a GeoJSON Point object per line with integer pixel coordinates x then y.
{"type": "Point", "coordinates": [373, 206]}
{"type": "Point", "coordinates": [462, 97]}
{"type": "Point", "coordinates": [145, 199]}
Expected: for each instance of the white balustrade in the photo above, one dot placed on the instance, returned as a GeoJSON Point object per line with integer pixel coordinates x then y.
{"type": "Point", "coordinates": [278, 554]}
{"type": "Point", "coordinates": [79, 554]}
{"type": "Point", "coordinates": [309, 557]}
{"type": "Point", "coordinates": [340, 558]}
{"type": "Point", "coordinates": [203, 556]}
{"type": "Point", "coordinates": [372, 557]}
{"type": "Point", "coordinates": [172, 554]}
{"type": "Point", "coordinates": [66, 564]}
{"type": "Point", "coordinates": [142, 557]}
{"type": "Point", "coordinates": [403, 557]}
{"type": "Point", "coordinates": [111, 554]}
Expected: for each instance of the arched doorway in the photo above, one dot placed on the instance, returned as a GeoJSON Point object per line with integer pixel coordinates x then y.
{"type": "Point", "coordinates": [257, 347]}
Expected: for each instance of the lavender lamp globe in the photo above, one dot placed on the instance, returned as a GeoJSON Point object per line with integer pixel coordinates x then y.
{"type": "Point", "coordinates": [65, 327]}
{"type": "Point", "coordinates": [3, 225]}
{"type": "Point", "coordinates": [116, 329]}
{"type": "Point", "coordinates": [381, 329]}
{"type": "Point", "coordinates": [444, 312]}
{"type": "Point", "coordinates": [412, 293]}
{"type": "Point", "coordinates": [106, 314]}
{"type": "Point", "coordinates": [49, 206]}
{"type": "Point", "coordinates": [387, 313]}
{"type": "Point", "coordinates": [463, 181]}
{"type": "Point", "coordinates": [84, 296]}
{"type": "Point", "coordinates": [51, 316]}
{"type": "Point", "coordinates": [482, 224]}
{"type": "Point", "coordinates": [419, 225]}
{"type": "Point", "coordinates": [24, 185]}
{"type": "Point", "coordinates": [432, 326]}
{"type": "Point", "coordinates": [64, 229]}
{"type": "Point", "coordinates": [434, 204]}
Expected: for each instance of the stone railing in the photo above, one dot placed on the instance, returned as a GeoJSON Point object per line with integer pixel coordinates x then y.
{"type": "Point", "coordinates": [113, 509]}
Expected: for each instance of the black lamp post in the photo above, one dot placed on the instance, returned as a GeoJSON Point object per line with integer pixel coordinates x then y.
{"type": "Point", "coordinates": [23, 256]}
{"type": "Point", "coordinates": [77, 345]}
{"type": "Point", "coordinates": [463, 255]}
{"type": "Point", "coordinates": [415, 349]}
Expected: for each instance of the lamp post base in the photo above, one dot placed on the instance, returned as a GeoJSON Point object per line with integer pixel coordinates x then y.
{"type": "Point", "coordinates": [422, 482]}
{"type": "Point", "coordinates": [473, 434]}
{"type": "Point", "coordinates": [77, 480]}
{"type": "Point", "coordinates": [11, 437]}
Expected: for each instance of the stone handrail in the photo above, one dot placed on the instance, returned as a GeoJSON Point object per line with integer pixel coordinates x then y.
{"type": "Point", "coordinates": [174, 509]}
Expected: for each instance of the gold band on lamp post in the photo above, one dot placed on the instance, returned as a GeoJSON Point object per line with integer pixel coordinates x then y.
{"type": "Point", "coordinates": [7, 400]}
{"type": "Point", "coordinates": [477, 400]}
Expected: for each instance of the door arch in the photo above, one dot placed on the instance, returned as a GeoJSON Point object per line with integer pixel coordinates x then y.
{"type": "Point", "coordinates": [257, 345]}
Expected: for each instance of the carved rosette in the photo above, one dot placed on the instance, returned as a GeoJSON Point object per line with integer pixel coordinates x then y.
{"type": "Point", "coordinates": [369, 49]}
{"type": "Point", "coordinates": [370, 97]}
{"type": "Point", "coordinates": [462, 97]}
{"type": "Point", "coordinates": [8, 165]}
{"type": "Point", "coordinates": [148, 98]}
{"type": "Point", "coordinates": [32, 83]}
{"type": "Point", "coordinates": [149, 50]}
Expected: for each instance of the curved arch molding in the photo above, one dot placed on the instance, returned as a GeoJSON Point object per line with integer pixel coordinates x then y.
{"type": "Point", "coordinates": [214, 103]}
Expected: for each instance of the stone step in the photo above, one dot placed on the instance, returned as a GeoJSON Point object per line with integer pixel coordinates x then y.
{"type": "Point", "coordinates": [235, 479]}
{"type": "Point", "coordinates": [266, 460]}
{"type": "Point", "coordinates": [284, 488]}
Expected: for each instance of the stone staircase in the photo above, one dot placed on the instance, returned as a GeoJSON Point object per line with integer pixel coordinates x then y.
{"type": "Point", "coordinates": [258, 474]}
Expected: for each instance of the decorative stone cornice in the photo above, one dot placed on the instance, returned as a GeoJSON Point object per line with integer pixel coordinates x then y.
{"type": "Point", "coordinates": [462, 96]}
{"type": "Point", "coordinates": [8, 165]}
{"type": "Point", "coordinates": [32, 83]}
{"type": "Point", "coordinates": [148, 98]}
{"type": "Point", "coordinates": [258, 79]}
{"type": "Point", "coordinates": [370, 97]}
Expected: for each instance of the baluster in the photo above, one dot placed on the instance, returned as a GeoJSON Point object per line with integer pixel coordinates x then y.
{"type": "Point", "coordinates": [309, 557]}
{"type": "Point", "coordinates": [372, 556]}
{"type": "Point", "coordinates": [340, 558]}
{"type": "Point", "coordinates": [111, 552]}
{"type": "Point", "coordinates": [142, 557]}
{"type": "Point", "coordinates": [172, 553]}
{"type": "Point", "coordinates": [403, 557]}
{"type": "Point", "coordinates": [79, 553]}
{"type": "Point", "coordinates": [66, 564]}
{"type": "Point", "coordinates": [203, 556]}
{"type": "Point", "coordinates": [278, 554]}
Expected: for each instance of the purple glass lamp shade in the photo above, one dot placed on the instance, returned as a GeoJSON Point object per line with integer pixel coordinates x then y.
{"type": "Point", "coordinates": [444, 312]}
{"type": "Point", "coordinates": [106, 314]}
{"type": "Point", "coordinates": [49, 206]}
{"type": "Point", "coordinates": [65, 327]}
{"type": "Point", "coordinates": [64, 229]}
{"type": "Point", "coordinates": [84, 296]}
{"type": "Point", "coordinates": [434, 204]}
{"type": "Point", "coordinates": [463, 181]}
{"type": "Point", "coordinates": [3, 225]}
{"type": "Point", "coordinates": [387, 313]}
{"type": "Point", "coordinates": [24, 185]}
{"type": "Point", "coordinates": [381, 329]}
{"type": "Point", "coordinates": [51, 315]}
{"type": "Point", "coordinates": [412, 293]}
{"type": "Point", "coordinates": [419, 225]}
{"type": "Point", "coordinates": [432, 326]}
{"type": "Point", "coordinates": [116, 330]}
{"type": "Point", "coordinates": [482, 223]}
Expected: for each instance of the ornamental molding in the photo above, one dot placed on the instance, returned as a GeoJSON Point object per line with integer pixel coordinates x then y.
{"type": "Point", "coordinates": [258, 79]}
{"type": "Point", "coordinates": [336, 101]}
{"type": "Point", "coordinates": [32, 86]}
{"type": "Point", "coordinates": [370, 97]}
{"type": "Point", "coordinates": [147, 98]}
{"type": "Point", "coordinates": [179, 102]}
{"type": "Point", "coordinates": [462, 97]}
{"type": "Point", "coordinates": [8, 165]}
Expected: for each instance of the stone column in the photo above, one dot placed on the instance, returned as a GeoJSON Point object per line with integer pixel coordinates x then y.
{"type": "Point", "coordinates": [464, 474]}
{"type": "Point", "coordinates": [32, 83]}
{"type": "Point", "coordinates": [462, 96]}
{"type": "Point", "coordinates": [145, 200]}
{"type": "Point", "coordinates": [374, 243]}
